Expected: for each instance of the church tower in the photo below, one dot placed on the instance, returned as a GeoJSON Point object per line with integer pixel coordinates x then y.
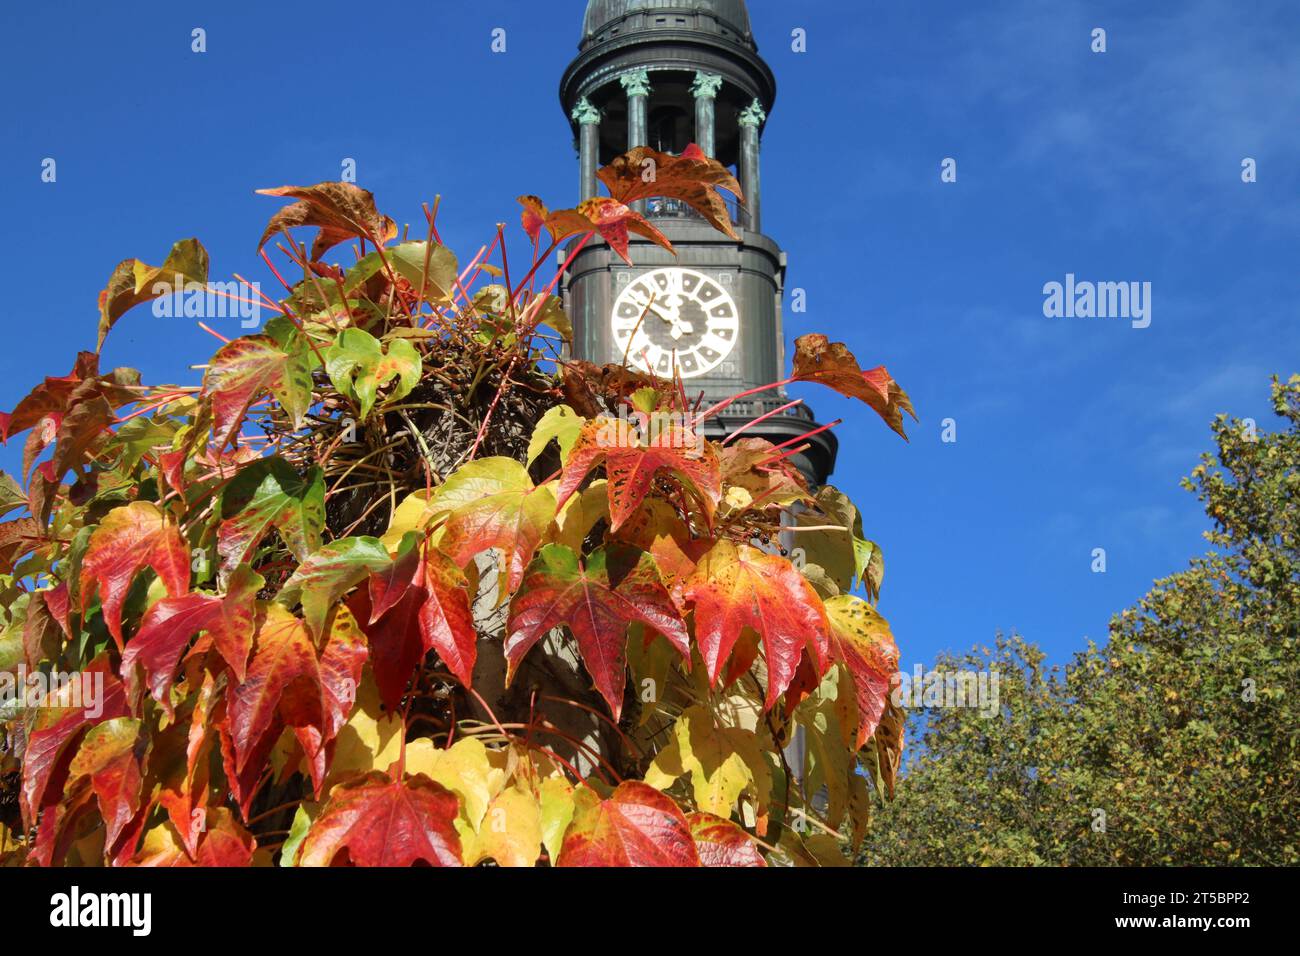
{"type": "Point", "coordinates": [664, 74]}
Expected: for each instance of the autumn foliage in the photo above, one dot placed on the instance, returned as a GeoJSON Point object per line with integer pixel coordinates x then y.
{"type": "Point", "coordinates": [397, 584]}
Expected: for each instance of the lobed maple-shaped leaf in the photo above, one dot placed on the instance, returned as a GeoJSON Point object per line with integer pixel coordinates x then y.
{"type": "Point", "coordinates": [269, 494]}
{"type": "Point", "coordinates": [278, 361]}
{"type": "Point", "coordinates": [597, 602]}
{"type": "Point", "coordinates": [130, 538]}
{"type": "Point", "coordinates": [636, 826]}
{"type": "Point", "coordinates": [861, 639]}
{"type": "Point", "coordinates": [343, 211]}
{"type": "Point", "coordinates": [817, 359]}
{"type": "Point", "coordinates": [134, 282]}
{"type": "Point", "coordinates": [169, 624]}
{"type": "Point", "coordinates": [631, 465]}
{"type": "Point", "coordinates": [282, 684]}
{"type": "Point", "coordinates": [722, 843]}
{"type": "Point", "coordinates": [737, 587]}
{"type": "Point", "coordinates": [110, 755]}
{"type": "Point", "coordinates": [722, 762]}
{"type": "Point", "coordinates": [382, 822]}
{"type": "Point", "coordinates": [692, 178]}
{"type": "Point", "coordinates": [492, 503]}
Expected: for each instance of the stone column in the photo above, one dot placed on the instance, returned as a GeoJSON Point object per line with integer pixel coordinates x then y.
{"type": "Point", "coordinates": [751, 119]}
{"type": "Point", "coordinates": [705, 89]}
{"type": "Point", "coordinates": [588, 119]}
{"type": "Point", "coordinates": [637, 86]}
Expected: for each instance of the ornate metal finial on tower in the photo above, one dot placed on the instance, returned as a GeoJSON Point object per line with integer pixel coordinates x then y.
{"type": "Point", "coordinates": [664, 74]}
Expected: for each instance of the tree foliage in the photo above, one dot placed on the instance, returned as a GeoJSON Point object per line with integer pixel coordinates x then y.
{"type": "Point", "coordinates": [398, 584]}
{"type": "Point", "coordinates": [1175, 743]}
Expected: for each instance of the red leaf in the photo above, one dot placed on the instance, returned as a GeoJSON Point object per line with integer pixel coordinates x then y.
{"type": "Point", "coordinates": [636, 826]}
{"type": "Point", "coordinates": [340, 672]}
{"type": "Point", "coordinates": [597, 607]}
{"type": "Point", "coordinates": [533, 216]}
{"type": "Point", "coordinates": [816, 359]}
{"type": "Point", "coordinates": [382, 822]}
{"type": "Point", "coordinates": [110, 755]}
{"type": "Point", "coordinates": [631, 467]}
{"type": "Point", "coordinates": [224, 843]}
{"type": "Point", "coordinates": [129, 538]}
{"type": "Point", "coordinates": [432, 613]}
{"type": "Point", "coordinates": [187, 806]}
{"type": "Point", "coordinates": [59, 722]}
{"type": "Point", "coordinates": [722, 843]}
{"type": "Point", "coordinates": [283, 683]}
{"type": "Point", "coordinates": [50, 397]}
{"type": "Point", "coordinates": [164, 634]}
{"type": "Point", "coordinates": [446, 621]}
{"type": "Point", "coordinates": [738, 587]}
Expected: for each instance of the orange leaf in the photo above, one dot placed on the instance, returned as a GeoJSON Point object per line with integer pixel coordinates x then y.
{"type": "Point", "coordinates": [632, 466]}
{"type": "Point", "coordinates": [722, 843]}
{"type": "Point", "coordinates": [597, 602]}
{"type": "Point", "coordinates": [816, 359]}
{"type": "Point", "coordinates": [737, 587]}
{"type": "Point", "coordinates": [692, 178]}
{"type": "Point", "coordinates": [382, 822]}
{"type": "Point", "coordinates": [342, 211]}
{"type": "Point", "coordinates": [636, 826]}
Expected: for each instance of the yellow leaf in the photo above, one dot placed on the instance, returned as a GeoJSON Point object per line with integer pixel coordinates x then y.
{"type": "Point", "coordinates": [556, 813]}
{"type": "Point", "coordinates": [511, 832]}
{"type": "Point", "coordinates": [464, 768]}
{"type": "Point", "coordinates": [370, 740]}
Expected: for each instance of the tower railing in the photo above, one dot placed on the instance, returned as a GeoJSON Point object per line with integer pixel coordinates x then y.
{"type": "Point", "coordinates": [666, 208]}
{"type": "Point", "coordinates": [749, 408]}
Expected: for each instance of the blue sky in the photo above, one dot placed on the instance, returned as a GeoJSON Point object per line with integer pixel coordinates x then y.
{"type": "Point", "coordinates": [1122, 166]}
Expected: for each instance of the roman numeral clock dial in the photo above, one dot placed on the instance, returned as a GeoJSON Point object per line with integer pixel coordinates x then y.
{"type": "Point", "coordinates": [675, 316]}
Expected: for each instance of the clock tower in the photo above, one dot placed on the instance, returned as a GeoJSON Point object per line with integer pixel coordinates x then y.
{"type": "Point", "coordinates": [664, 74]}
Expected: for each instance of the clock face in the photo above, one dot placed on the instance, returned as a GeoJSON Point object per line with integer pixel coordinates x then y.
{"type": "Point", "coordinates": [674, 316]}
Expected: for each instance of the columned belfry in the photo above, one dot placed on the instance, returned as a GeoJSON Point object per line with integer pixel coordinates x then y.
{"type": "Point", "coordinates": [665, 74]}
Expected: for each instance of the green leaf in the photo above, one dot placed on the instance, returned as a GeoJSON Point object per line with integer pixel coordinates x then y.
{"type": "Point", "coordinates": [561, 423]}
{"type": "Point", "coordinates": [279, 361]}
{"type": "Point", "coordinates": [358, 366]}
{"type": "Point", "coordinates": [328, 574]}
{"type": "Point", "coordinates": [11, 494]}
{"type": "Point", "coordinates": [408, 261]}
{"type": "Point", "coordinates": [267, 494]}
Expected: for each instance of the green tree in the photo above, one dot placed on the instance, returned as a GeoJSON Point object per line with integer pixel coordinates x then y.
{"type": "Point", "coordinates": [1173, 743]}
